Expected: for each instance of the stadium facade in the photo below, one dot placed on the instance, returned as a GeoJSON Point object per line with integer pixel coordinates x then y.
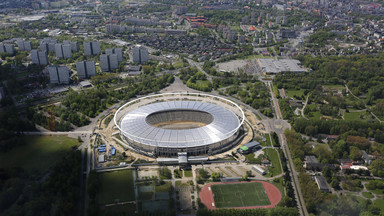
{"type": "Point", "coordinates": [201, 124]}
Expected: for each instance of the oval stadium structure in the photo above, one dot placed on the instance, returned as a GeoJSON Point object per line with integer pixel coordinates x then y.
{"type": "Point", "coordinates": [170, 123]}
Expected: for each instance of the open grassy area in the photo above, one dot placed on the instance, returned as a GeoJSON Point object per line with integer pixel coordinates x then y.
{"type": "Point", "coordinates": [275, 169]}
{"type": "Point", "coordinates": [187, 173]}
{"type": "Point", "coordinates": [116, 186]}
{"type": "Point", "coordinates": [314, 115]}
{"type": "Point", "coordinates": [380, 204]}
{"type": "Point", "coordinates": [38, 152]}
{"type": "Point", "coordinates": [268, 142]}
{"type": "Point", "coordinates": [292, 92]}
{"type": "Point", "coordinates": [357, 115]}
{"type": "Point", "coordinates": [368, 195]}
{"type": "Point", "coordinates": [238, 195]}
{"type": "Point", "coordinates": [164, 188]}
{"type": "Point", "coordinates": [251, 158]}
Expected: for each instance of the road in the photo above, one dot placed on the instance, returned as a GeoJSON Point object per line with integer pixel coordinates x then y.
{"type": "Point", "coordinates": [295, 183]}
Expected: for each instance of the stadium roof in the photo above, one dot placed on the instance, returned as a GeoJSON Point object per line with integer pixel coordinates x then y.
{"type": "Point", "coordinates": [134, 125]}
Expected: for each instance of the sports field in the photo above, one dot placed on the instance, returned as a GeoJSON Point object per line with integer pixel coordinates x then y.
{"type": "Point", "coordinates": [240, 195]}
{"type": "Point", "coordinates": [116, 186]}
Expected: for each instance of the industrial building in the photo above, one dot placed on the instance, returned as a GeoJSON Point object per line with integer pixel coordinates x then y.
{"type": "Point", "coordinates": [109, 62]}
{"type": "Point", "coordinates": [92, 48]}
{"type": "Point", "coordinates": [58, 74]}
{"type": "Point", "coordinates": [140, 54]}
{"type": "Point", "coordinates": [85, 69]}
{"type": "Point", "coordinates": [7, 48]}
{"type": "Point", "coordinates": [63, 51]}
{"type": "Point", "coordinates": [272, 66]}
{"type": "Point", "coordinates": [117, 51]}
{"type": "Point", "coordinates": [39, 57]}
{"type": "Point", "coordinates": [24, 45]}
{"type": "Point", "coordinates": [203, 128]}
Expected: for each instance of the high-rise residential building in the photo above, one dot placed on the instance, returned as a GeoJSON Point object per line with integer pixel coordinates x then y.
{"type": "Point", "coordinates": [117, 51]}
{"type": "Point", "coordinates": [109, 62]}
{"type": "Point", "coordinates": [92, 48]}
{"type": "Point", "coordinates": [74, 46]}
{"type": "Point", "coordinates": [140, 54]}
{"type": "Point", "coordinates": [63, 51]}
{"type": "Point", "coordinates": [85, 69]}
{"type": "Point", "coordinates": [7, 48]}
{"type": "Point", "coordinates": [24, 45]}
{"type": "Point", "coordinates": [48, 44]}
{"type": "Point", "coordinates": [58, 74]}
{"type": "Point", "coordinates": [39, 57]}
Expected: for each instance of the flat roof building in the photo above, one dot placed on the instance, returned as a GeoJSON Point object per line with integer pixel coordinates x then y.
{"type": "Point", "coordinates": [63, 51]}
{"type": "Point", "coordinates": [92, 48]}
{"type": "Point", "coordinates": [58, 74]}
{"type": "Point", "coordinates": [24, 45]}
{"type": "Point", "coordinates": [109, 62]}
{"type": "Point", "coordinates": [117, 51]}
{"type": "Point", "coordinates": [272, 66]}
{"type": "Point", "coordinates": [39, 57]}
{"type": "Point", "coordinates": [140, 54]}
{"type": "Point", "coordinates": [322, 184]}
{"type": "Point", "coordinates": [85, 69]}
{"type": "Point", "coordinates": [7, 48]}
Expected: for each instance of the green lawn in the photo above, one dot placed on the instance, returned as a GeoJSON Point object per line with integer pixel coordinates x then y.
{"type": "Point", "coordinates": [368, 195]}
{"type": "Point", "coordinates": [238, 195]}
{"type": "Point", "coordinates": [164, 188]}
{"type": "Point", "coordinates": [251, 158]}
{"type": "Point", "coordinates": [275, 169]}
{"type": "Point", "coordinates": [380, 204]}
{"type": "Point", "coordinates": [38, 152]}
{"type": "Point", "coordinates": [314, 115]}
{"type": "Point", "coordinates": [116, 186]}
{"type": "Point", "coordinates": [356, 115]}
{"type": "Point", "coordinates": [268, 142]}
{"type": "Point", "coordinates": [187, 173]}
{"type": "Point", "coordinates": [292, 92]}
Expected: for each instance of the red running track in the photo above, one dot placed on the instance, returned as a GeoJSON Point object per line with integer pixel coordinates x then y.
{"type": "Point", "coordinates": [274, 195]}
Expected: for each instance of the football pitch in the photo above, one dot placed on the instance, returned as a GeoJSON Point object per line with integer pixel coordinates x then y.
{"type": "Point", "coordinates": [240, 195]}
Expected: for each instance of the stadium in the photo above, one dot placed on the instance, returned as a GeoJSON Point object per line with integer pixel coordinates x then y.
{"type": "Point", "coordinates": [171, 123]}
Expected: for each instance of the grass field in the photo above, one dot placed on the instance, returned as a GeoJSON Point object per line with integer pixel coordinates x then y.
{"type": "Point", "coordinates": [274, 158]}
{"type": "Point", "coordinates": [356, 115]}
{"type": "Point", "coordinates": [38, 152]}
{"type": "Point", "coordinates": [187, 173]}
{"type": "Point", "coordinates": [291, 92]}
{"type": "Point", "coordinates": [380, 204]}
{"type": "Point", "coordinates": [239, 195]}
{"type": "Point", "coordinates": [116, 186]}
{"type": "Point", "coordinates": [368, 195]}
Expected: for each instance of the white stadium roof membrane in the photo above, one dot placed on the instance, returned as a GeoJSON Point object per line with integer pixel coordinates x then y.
{"type": "Point", "coordinates": [134, 125]}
